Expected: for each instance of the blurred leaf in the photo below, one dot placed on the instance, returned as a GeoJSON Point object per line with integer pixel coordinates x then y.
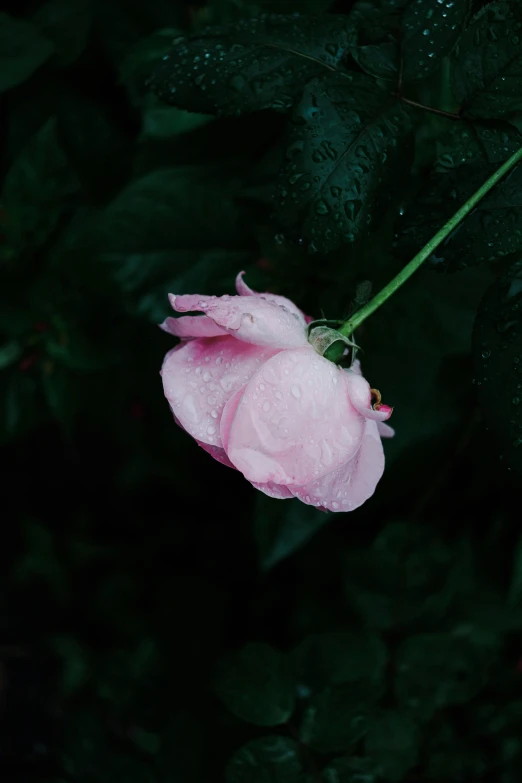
{"type": "Point", "coordinates": [436, 670]}
{"type": "Point", "coordinates": [170, 209]}
{"type": "Point", "coordinates": [392, 744]}
{"type": "Point", "coordinates": [257, 684]}
{"type": "Point", "coordinates": [10, 353]}
{"type": "Point", "coordinates": [497, 353]}
{"type": "Point", "coordinates": [98, 148]}
{"type": "Point", "coordinates": [342, 150]}
{"type": "Point", "coordinates": [74, 664]}
{"type": "Point", "coordinates": [492, 230]}
{"type": "Point", "coordinates": [407, 574]}
{"type": "Point", "coordinates": [281, 528]}
{"type": "Point", "coordinates": [338, 716]}
{"type": "Point", "coordinates": [136, 68]}
{"type": "Point", "coordinates": [350, 770]}
{"type": "Point", "coordinates": [37, 191]}
{"type": "Point", "coordinates": [267, 760]}
{"type": "Point", "coordinates": [450, 756]}
{"type": "Point", "coordinates": [487, 63]}
{"type": "Point", "coordinates": [420, 32]}
{"type": "Point", "coordinates": [67, 23]}
{"type": "Point", "coordinates": [150, 277]}
{"type": "Point", "coordinates": [60, 394]}
{"type": "Point", "coordinates": [164, 122]}
{"type": "Point", "coordinates": [339, 656]}
{"type": "Point", "coordinates": [515, 589]}
{"type": "Point", "coordinates": [22, 51]}
{"type": "Point", "coordinates": [40, 561]}
{"type": "Point", "coordinates": [255, 64]}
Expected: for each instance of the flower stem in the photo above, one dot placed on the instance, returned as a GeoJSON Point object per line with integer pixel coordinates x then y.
{"type": "Point", "coordinates": [349, 326]}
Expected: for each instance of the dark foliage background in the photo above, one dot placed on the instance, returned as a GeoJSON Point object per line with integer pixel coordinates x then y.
{"type": "Point", "coordinates": [160, 622]}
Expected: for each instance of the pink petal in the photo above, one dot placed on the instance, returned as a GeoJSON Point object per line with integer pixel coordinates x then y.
{"type": "Point", "coordinates": [350, 485]}
{"type": "Point", "coordinates": [217, 453]}
{"type": "Point", "coordinates": [361, 398]}
{"type": "Point", "coordinates": [251, 319]}
{"type": "Point", "coordinates": [201, 375]}
{"type": "Point", "coordinates": [294, 421]}
{"type": "Point", "coordinates": [274, 490]}
{"type": "Point", "coordinates": [244, 290]}
{"type": "Point", "coordinates": [385, 431]}
{"type": "Point", "coordinates": [190, 326]}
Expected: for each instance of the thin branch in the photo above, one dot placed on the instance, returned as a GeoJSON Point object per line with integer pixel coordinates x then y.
{"type": "Point", "coordinates": [430, 109]}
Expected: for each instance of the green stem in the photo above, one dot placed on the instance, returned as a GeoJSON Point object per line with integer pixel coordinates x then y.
{"type": "Point", "coordinates": [348, 327]}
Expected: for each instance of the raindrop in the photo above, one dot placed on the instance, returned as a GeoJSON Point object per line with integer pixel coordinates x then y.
{"type": "Point", "coordinates": [296, 391]}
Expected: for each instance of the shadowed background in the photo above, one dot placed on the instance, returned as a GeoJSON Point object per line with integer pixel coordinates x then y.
{"type": "Point", "coordinates": [132, 565]}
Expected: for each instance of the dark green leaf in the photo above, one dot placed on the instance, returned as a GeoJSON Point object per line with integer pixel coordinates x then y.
{"type": "Point", "coordinates": [487, 65]}
{"type": "Point", "coordinates": [148, 278]}
{"type": "Point", "coordinates": [37, 191]}
{"type": "Point", "coordinates": [281, 528]}
{"type": "Point", "coordinates": [136, 68]}
{"type": "Point", "coordinates": [350, 770]}
{"type": "Point", "coordinates": [10, 353]}
{"type": "Point", "coordinates": [345, 140]}
{"type": "Point", "coordinates": [392, 744]}
{"type": "Point", "coordinates": [407, 574]}
{"type": "Point", "coordinates": [67, 24]}
{"type": "Point", "coordinates": [421, 32]}
{"type": "Point", "coordinates": [256, 64]}
{"type": "Point", "coordinates": [340, 656]}
{"type": "Point", "coordinates": [257, 684]}
{"type": "Point", "coordinates": [266, 760]}
{"type": "Point", "coordinates": [22, 51]}
{"type": "Point", "coordinates": [98, 149]}
{"type": "Point", "coordinates": [491, 231]}
{"type": "Point", "coordinates": [437, 670]}
{"type": "Point", "coordinates": [497, 352]}
{"type": "Point", "coordinates": [338, 716]}
{"type": "Point", "coordinates": [170, 209]}
{"type": "Point", "coordinates": [165, 122]}
{"type": "Point", "coordinates": [463, 142]}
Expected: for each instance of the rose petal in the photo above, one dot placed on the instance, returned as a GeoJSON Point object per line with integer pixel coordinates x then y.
{"type": "Point", "coordinates": [350, 485]}
{"type": "Point", "coordinates": [248, 318]}
{"type": "Point", "coordinates": [361, 397]}
{"type": "Point", "coordinates": [385, 431]}
{"type": "Point", "coordinates": [294, 421]}
{"type": "Point", "coordinates": [219, 454]}
{"type": "Point", "coordinates": [244, 290]}
{"type": "Point", "coordinates": [191, 326]}
{"type": "Point", "coordinates": [277, 491]}
{"type": "Point", "coordinates": [201, 375]}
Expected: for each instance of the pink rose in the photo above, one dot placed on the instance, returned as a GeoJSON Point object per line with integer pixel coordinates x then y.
{"type": "Point", "coordinates": [248, 386]}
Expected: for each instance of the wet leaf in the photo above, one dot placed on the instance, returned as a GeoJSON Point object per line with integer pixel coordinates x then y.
{"type": "Point", "coordinates": [491, 231]}
{"type": "Point", "coordinates": [420, 32]}
{"type": "Point", "coordinates": [344, 143]}
{"type": "Point", "coordinates": [22, 51]}
{"type": "Point", "coordinates": [497, 354]}
{"type": "Point", "coordinates": [465, 142]}
{"type": "Point", "coordinates": [487, 65]}
{"type": "Point", "coordinates": [255, 64]}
